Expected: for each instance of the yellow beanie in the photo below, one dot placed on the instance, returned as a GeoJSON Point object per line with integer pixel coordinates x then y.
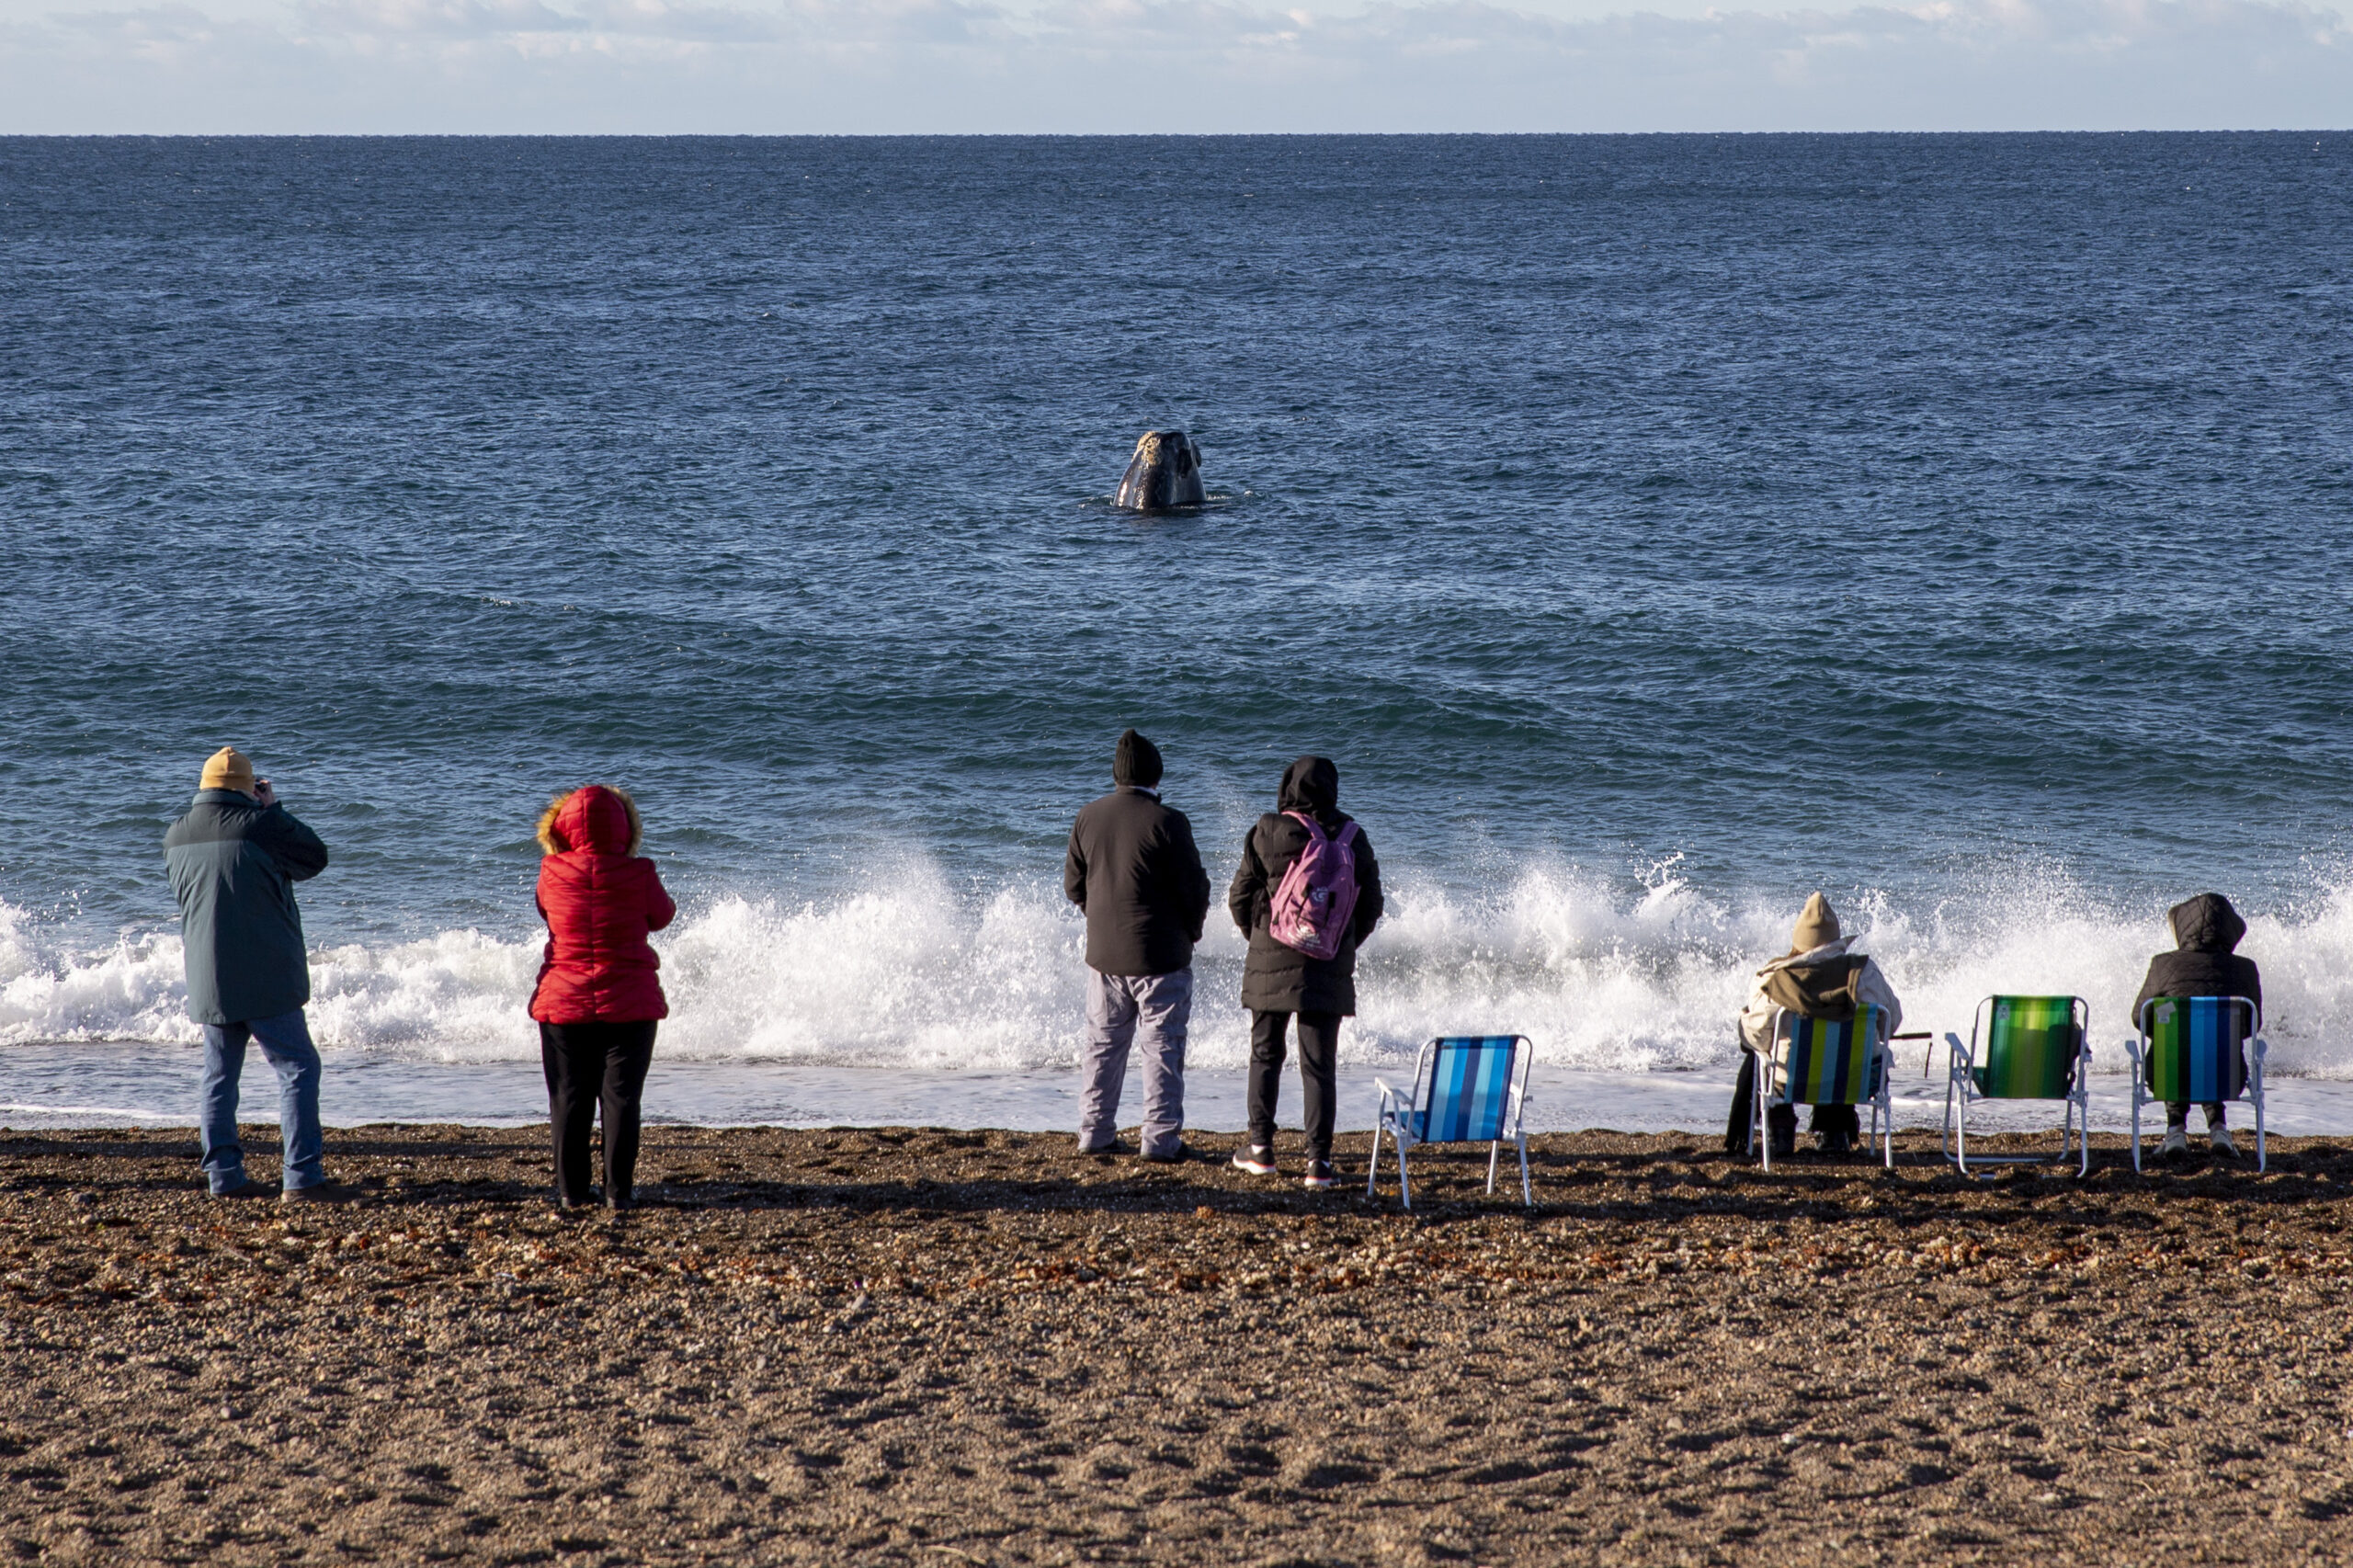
{"type": "Point", "coordinates": [1817, 924]}
{"type": "Point", "coordinates": [228, 769]}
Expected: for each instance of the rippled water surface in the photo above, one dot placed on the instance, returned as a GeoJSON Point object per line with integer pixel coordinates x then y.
{"type": "Point", "coordinates": [1652, 528]}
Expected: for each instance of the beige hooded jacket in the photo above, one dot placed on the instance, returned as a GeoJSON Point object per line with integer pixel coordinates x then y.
{"type": "Point", "coordinates": [1815, 941]}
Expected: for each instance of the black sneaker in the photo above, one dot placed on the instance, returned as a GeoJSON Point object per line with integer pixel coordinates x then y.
{"type": "Point", "coordinates": [1837, 1145]}
{"type": "Point", "coordinates": [1255, 1158]}
{"type": "Point", "coordinates": [1320, 1175]}
{"type": "Point", "coordinates": [247, 1188]}
{"type": "Point", "coordinates": [1175, 1156]}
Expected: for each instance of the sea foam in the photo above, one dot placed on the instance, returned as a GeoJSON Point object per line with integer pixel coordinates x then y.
{"type": "Point", "coordinates": [911, 974]}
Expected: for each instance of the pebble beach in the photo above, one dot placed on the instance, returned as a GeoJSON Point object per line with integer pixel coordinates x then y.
{"type": "Point", "coordinates": [933, 1346]}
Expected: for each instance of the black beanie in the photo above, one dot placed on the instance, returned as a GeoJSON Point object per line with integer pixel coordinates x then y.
{"type": "Point", "coordinates": [1136, 761]}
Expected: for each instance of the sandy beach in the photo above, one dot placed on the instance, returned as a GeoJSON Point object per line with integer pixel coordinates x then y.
{"type": "Point", "coordinates": [930, 1347]}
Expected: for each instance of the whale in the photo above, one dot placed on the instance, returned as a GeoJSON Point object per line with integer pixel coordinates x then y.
{"type": "Point", "coordinates": [1165, 471]}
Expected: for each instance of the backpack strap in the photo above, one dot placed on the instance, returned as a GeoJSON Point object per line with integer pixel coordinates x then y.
{"type": "Point", "coordinates": [1314, 829]}
{"type": "Point", "coordinates": [1348, 834]}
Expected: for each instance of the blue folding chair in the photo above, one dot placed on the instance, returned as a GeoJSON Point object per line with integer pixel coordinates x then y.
{"type": "Point", "coordinates": [1467, 1089]}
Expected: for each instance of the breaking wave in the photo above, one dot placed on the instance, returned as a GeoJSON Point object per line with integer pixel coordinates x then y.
{"type": "Point", "coordinates": [909, 974]}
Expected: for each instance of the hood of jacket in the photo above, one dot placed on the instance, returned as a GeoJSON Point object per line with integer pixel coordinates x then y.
{"type": "Point", "coordinates": [2206, 924]}
{"type": "Point", "coordinates": [1311, 785]}
{"type": "Point", "coordinates": [597, 819]}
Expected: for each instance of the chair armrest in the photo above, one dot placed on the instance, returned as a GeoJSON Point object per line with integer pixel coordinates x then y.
{"type": "Point", "coordinates": [1957, 1057]}
{"type": "Point", "coordinates": [2133, 1053]}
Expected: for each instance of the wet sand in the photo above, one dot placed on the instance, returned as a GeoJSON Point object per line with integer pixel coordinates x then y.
{"type": "Point", "coordinates": [940, 1347]}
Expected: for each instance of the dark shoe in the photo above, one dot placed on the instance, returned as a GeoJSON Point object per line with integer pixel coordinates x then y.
{"type": "Point", "coordinates": [323, 1192]}
{"type": "Point", "coordinates": [247, 1188]}
{"type": "Point", "coordinates": [1837, 1145]}
{"type": "Point", "coordinates": [1175, 1156]}
{"type": "Point", "coordinates": [1255, 1158]}
{"type": "Point", "coordinates": [1319, 1175]}
{"type": "Point", "coordinates": [1105, 1151]}
{"type": "Point", "coordinates": [1784, 1144]}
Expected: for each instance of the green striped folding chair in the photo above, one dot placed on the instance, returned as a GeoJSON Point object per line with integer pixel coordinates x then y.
{"type": "Point", "coordinates": [2192, 1049]}
{"type": "Point", "coordinates": [2022, 1048]}
{"type": "Point", "coordinates": [1467, 1089]}
{"type": "Point", "coordinates": [1818, 1062]}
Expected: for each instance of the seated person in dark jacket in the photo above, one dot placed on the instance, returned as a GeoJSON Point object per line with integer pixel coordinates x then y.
{"type": "Point", "coordinates": [2205, 931]}
{"type": "Point", "coordinates": [1132, 867]}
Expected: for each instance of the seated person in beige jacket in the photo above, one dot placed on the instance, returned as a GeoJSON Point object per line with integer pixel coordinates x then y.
{"type": "Point", "coordinates": [1818, 978]}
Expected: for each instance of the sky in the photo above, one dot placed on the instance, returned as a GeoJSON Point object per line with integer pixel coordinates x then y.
{"type": "Point", "coordinates": [877, 66]}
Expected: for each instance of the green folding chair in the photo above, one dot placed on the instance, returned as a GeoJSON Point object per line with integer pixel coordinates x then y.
{"type": "Point", "coordinates": [1817, 1062]}
{"type": "Point", "coordinates": [2193, 1051]}
{"type": "Point", "coordinates": [2022, 1048]}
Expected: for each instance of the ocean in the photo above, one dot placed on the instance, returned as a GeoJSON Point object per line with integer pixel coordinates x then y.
{"type": "Point", "coordinates": [1653, 529]}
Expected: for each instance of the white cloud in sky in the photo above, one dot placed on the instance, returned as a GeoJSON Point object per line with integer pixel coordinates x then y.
{"type": "Point", "coordinates": [1182, 65]}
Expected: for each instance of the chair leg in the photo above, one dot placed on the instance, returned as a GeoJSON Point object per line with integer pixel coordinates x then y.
{"type": "Point", "coordinates": [1494, 1152]}
{"type": "Point", "coordinates": [2136, 1125]}
{"type": "Point", "coordinates": [2262, 1155]}
{"type": "Point", "coordinates": [1884, 1112]}
{"type": "Point", "coordinates": [1372, 1176]}
{"type": "Point", "coordinates": [1404, 1191]}
{"type": "Point", "coordinates": [1528, 1188]}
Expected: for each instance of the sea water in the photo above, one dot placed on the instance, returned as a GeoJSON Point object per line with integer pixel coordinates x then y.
{"type": "Point", "coordinates": [1653, 529]}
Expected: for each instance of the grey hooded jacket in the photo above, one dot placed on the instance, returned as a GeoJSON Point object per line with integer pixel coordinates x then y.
{"type": "Point", "coordinates": [233, 864]}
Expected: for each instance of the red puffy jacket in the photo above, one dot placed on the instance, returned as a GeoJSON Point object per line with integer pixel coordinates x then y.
{"type": "Point", "coordinates": [599, 900]}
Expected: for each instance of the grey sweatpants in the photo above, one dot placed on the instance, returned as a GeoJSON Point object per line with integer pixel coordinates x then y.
{"type": "Point", "coordinates": [1151, 1010]}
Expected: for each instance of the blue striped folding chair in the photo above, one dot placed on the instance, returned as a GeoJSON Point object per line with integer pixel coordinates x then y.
{"type": "Point", "coordinates": [1817, 1061]}
{"type": "Point", "coordinates": [1467, 1089]}
{"type": "Point", "coordinates": [2193, 1051]}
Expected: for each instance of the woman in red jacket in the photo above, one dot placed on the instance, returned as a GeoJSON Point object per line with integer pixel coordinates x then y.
{"type": "Point", "coordinates": [597, 999]}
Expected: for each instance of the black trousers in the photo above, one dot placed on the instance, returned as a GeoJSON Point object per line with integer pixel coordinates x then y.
{"type": "Point", "coordinates": [1781, 1119]}
{"type": "Point", "coordinates": [1319, 1061]}
{"type": "Point", "coordinates": [585, 1064]}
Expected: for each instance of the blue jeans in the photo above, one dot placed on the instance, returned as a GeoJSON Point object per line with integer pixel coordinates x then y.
{"type": "Point", "coordinates": [285, 1042]}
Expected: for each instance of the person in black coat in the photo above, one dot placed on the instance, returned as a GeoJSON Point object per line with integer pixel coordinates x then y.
{"type": "Point", "coordinates": [1132, 867]}
{"type": "Point", "coordinates": [2206, 932]}
{"type": "Point", "coordinates": [1278, 982]}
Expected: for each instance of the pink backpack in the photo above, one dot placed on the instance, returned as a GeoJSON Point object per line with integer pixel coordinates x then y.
{"type": "Point", "coordinates": [1318, 895]}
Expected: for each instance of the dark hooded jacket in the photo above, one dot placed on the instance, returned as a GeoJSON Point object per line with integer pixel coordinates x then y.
{"type": "Point", "coordinates": [1132, 867]}
{"type": "Point", "coordinates": [2207, 929]}
{"type": "Point", "coordinates": [234, 863]}
{"type": "Point", "coordinates": [599, 898]}
{"type": "Point", "coordinates": [1276, 979]}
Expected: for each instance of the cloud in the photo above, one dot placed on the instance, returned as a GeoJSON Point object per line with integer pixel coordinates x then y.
{"type": "Point", "coordinates": [786, 66]}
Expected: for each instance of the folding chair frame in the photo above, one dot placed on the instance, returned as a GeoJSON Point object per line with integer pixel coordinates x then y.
{"type": "Point", "coordinates": [1961, 1088]}
{"type": "Point", "coordinates": [1882, 1101]}
{"type": "Point", "coordinates": [2257, 1048]}
{"type": "Point", "coordinates": [1396, 1113]}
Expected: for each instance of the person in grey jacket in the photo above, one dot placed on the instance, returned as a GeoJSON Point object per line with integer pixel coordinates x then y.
{"type": "Point", "coordinates": [233, 857]}
{"type": "Point", "coordinates": [1133, 868]}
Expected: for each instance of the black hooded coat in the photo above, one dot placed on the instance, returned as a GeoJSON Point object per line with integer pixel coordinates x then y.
{"type": "Point", "coordinates": [2207, 929]}
{"type": "Point", "coordinates": [1276, 979]}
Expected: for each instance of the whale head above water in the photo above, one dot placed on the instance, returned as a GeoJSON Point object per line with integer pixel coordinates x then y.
{"type": "Point", "coordinates": [1165, 473]}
